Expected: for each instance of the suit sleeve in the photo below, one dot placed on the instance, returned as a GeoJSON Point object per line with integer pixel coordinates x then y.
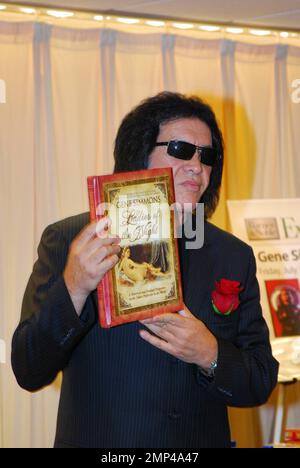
{"type": "Point", "coordinates": [49, 328]}
{"type": "Point", "coordinates": [247, 372]}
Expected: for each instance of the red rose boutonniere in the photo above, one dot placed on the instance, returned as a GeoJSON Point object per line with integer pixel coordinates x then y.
{"type": "Point", "coordinates": [225, 298]}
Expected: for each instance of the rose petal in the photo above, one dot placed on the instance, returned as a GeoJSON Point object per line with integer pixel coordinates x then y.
{"type": "Point", "coordinates": [226, 296]}
{"type": "Point", "coordinates": [228, 287]}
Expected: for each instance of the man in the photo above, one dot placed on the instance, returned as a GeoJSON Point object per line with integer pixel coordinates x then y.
{"type": "Point", "coordinates": [288, 312]}
{"type": "Point", "coordinates": [167, 382]}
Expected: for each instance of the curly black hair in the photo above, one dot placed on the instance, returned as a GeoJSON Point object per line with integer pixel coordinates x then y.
{"type": "Point", "coordinates": [138, 132]}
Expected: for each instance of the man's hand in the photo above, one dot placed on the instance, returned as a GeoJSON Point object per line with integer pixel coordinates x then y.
{"type": "Point", "coordinates": [183, 336]}
{"type": "Point", "coordinates": [91, 255]}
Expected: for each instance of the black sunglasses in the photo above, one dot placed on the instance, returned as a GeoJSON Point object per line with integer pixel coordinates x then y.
{"type": "Point", "coordinates": [184, 150]}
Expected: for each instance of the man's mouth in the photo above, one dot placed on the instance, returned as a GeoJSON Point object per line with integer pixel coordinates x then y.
{"type": "Point", "coordinates": [192, 185]}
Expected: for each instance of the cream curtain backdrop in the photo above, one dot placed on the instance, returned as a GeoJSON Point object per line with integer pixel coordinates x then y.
{"type": "Point", "coordinates": [66, 93]}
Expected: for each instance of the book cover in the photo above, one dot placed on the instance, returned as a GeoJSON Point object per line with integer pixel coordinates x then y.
{"type": "Point", "coordinates": [284, 302]}
{"type": "Point", "coordinates": [146, 281]}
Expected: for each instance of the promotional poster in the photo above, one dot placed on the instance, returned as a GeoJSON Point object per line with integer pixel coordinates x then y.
{"type": "Point", "coordinates": [272, 228]}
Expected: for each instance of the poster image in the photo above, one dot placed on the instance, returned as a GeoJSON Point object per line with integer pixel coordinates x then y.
{"type": "Point", "coordinates": [284, 302]}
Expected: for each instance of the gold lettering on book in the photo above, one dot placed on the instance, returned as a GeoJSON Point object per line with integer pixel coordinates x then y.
{"type": "Point", "coordinates": [138, 201]}
{"type": "Point", "coordinates": [144, 294]}
{"type": "Point", "coordinates": [139, 225]}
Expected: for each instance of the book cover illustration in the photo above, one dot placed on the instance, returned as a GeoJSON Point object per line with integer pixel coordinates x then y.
{"type": "Point", "coordinates": [284, 302]}
{"type": "Point", "coordinates": [146, 281]}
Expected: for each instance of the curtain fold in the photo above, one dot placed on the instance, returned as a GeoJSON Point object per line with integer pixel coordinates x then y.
{"type": "Point", "coordinates": [67, 91]}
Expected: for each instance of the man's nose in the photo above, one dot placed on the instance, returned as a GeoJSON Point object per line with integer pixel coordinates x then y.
{"type": "Point", "coordinates": [194, 163]}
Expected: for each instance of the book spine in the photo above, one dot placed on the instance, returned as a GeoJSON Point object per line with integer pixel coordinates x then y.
{"type": "Point", "coordinates": [91, 198]}
{"type": "Point", "coordinates": [103, 287]}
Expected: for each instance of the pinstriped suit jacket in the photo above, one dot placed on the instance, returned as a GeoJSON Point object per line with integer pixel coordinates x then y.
{"type": "Point", "coordinates": [119, 391]}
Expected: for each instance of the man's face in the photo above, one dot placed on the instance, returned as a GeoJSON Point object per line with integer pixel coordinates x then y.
{"type": "Point", "coordinates": [191, 178]}
{"type": "Point", "coordinates": [286, 297]}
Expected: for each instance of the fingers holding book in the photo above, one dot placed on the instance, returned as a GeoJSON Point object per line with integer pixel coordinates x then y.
{"type": "Point", "coordinates": [91, 255]}
{"type": "Point", "coordinates": [183, 335]}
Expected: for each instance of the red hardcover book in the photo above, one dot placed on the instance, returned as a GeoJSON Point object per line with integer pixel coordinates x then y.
{"type": "Point", "coordinates": [146, 281]}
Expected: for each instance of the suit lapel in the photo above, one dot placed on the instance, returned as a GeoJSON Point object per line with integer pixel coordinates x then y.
{"type": "Point", "coordinates": [198, 275]}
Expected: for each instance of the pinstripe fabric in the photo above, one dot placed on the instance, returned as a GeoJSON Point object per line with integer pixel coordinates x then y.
{"type": "Point", "coordinates": [118, 390]}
